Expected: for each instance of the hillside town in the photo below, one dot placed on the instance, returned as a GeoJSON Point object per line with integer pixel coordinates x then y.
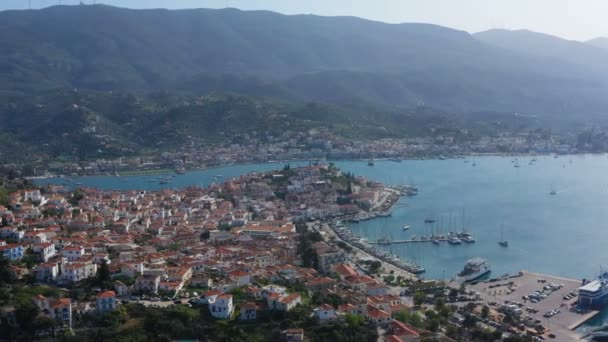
{"type": "Point", "coordinates": [315, 144]}
{"type": "Point", "coordinates": [262, 247]}
{"type": "Point", "coordinates": [196, 245]}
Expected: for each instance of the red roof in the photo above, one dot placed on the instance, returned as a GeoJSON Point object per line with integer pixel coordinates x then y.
{"type": "Point", "coordinates": [392, 338]}
{"type": "Point", "coordinates": [106, 294]}
{"type": "Point", "coordinates": [401, 329]}
{"type": "Point", "coordinates": [290, 298]}
{"type": "Point", "coordinates": [378, 314]}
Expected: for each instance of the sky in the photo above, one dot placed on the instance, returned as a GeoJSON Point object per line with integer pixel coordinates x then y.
{"type": "Point", "coordinates": [571, 19]}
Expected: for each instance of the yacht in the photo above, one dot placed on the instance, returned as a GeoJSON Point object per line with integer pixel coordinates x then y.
{"type": "Point", "coordinates": [453, 240]}
{"type": "Point", "coordinates": [473, 269]}
{"type": "Point", "coordinates": [416, 269]}
{"type": "Point", "coordinates": [465, 237]}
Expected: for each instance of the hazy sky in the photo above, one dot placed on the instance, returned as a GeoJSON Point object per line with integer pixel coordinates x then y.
{"type": "Point", "coordinates": [573, 19]}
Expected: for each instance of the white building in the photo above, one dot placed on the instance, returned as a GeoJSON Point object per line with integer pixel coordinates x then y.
{"type": "Point", "coordinates": [221, 306]}
{"type": "Point", "coordinates": [106, 302]}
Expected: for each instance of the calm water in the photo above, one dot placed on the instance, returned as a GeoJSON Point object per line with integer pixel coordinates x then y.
{"type": "Point", "coordinates": [564, 234]}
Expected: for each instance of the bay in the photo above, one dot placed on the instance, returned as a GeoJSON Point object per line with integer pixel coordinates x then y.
{"type": "Point", "coordinates": [563, 234]}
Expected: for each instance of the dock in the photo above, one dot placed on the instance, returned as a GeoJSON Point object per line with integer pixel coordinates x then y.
{"type": "Point", "coordinates": [407, 241]}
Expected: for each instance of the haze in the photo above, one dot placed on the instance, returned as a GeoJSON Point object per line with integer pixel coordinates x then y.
{"type": "Point", "coordinates": [577, 20]}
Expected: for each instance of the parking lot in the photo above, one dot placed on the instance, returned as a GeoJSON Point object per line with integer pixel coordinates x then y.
{"type": "Point", "coordinates": [538, 299]}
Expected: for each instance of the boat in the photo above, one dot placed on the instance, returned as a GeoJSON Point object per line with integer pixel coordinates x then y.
{"type": "Point", "coordinates": [405, 227]}
{"type": "Point", "coordinates": [416, 269]}
{"type": "Point", "coordinates": [465, 237]}
{"type": "Point", "coordinates": [474, 269]}
{"type": "Point", "coordinates": [384, 214]}
{"type": "Point", "coordinates": [384, 241]}
{"type": "Point", "coordinates": [598, 334]}
{"type": "Point", "coordinates": [429, 220]}
{"type": "Point", "coordinates": [163, 181]}
{"type": "Point", "coordinates": [553, 192]}
{"type": "Point", "coordinates": [180, 170]}
{"type": "Point", "coordinates": [594, 294]}
{"type": "Point", "coordinates": [502, 241]}
{"type": "Point", "coordinates": [436, 241]}
{"type": "Point", "coordinates": [370, 162]}
{"type": "Point", "coordinates": [453, 240]}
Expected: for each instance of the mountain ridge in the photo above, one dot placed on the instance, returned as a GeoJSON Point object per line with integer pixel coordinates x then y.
{"type": "Point", "coordinates": [337, 60]}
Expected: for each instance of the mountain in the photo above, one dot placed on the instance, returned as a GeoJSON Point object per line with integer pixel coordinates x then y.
{"type": "Point", "coordinates": [600, 42]}
{"type": "Point", "coordinates": [544, 45]}
{"type": "Point", "coordinates": [338, 61]}
{"type": "Point", "coordinates": [72, 125]}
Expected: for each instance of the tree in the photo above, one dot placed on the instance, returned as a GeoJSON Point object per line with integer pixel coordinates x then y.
{"type": "Point", "coordinates": [26, 313]}
{"type": "Point", "coordinates": [432, 324]}
{"type": "Point", "coordinates": [485, 311]}
{"type": "Point", "coordinates": [375, 266]}
{"type": "Point", "coordinates": [439, 304]}
{"type": "Point", "coordinates": [469, 321]}
{"type": "Point", "coordinates": [7, 276]}
{"type": "Point", "coordinates": [419, 298]}
{"type": "Point", "coordinates": [103, 274]}
{"type": "Point", "coordinates": [470, 307]}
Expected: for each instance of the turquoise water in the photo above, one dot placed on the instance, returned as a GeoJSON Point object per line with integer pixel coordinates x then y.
{"type": "Point", "coordinates": [564, 234]}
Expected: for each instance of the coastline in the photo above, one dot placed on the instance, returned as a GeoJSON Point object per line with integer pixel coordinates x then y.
{"type": "Point", "coordinates": [166, 171]}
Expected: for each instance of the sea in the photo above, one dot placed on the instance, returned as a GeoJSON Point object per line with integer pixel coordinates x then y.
{"type": "Point", "coordinates": [492, 198]}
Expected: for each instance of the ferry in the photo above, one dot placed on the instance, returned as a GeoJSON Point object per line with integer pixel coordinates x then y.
{"type": "Point", "coordinates": [473, 269]}
{"type": "Point", "coordinates": [594, 294]}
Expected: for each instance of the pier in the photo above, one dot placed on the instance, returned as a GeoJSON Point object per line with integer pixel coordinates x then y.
{"type": "Point", "coordinates": [406, 241]}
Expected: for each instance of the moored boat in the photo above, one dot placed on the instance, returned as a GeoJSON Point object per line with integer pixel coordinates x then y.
{"type": "Point", "coordinates": [473, 269]}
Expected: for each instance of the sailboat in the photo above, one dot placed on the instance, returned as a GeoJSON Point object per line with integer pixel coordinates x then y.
{"type": "Point", "coordinates": [502, 241]}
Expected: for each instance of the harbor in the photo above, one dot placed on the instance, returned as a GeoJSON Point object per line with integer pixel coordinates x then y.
{"type": "Point", "coordinates": [491, 193]}
{"type": "Point", "coordinates": [538, 300]}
